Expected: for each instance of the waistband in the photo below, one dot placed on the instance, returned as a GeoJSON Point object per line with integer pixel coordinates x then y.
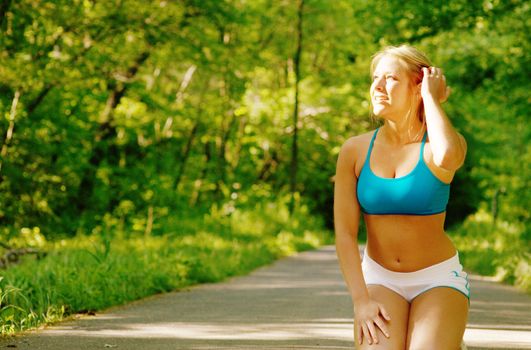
{"type": "Point", "coordinates": [425, 273]}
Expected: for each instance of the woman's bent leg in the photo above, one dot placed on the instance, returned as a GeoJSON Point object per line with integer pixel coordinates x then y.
{"type": "Point", "coordinates": [398, 309]}
{"type": "Point", "coordinates": [437, 320]}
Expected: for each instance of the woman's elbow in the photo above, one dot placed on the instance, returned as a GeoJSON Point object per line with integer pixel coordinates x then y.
{"type": "Point", "coordinates": [451, 160]}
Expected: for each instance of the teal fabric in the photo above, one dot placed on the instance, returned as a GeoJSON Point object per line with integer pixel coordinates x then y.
{"type": "Point", "coordinates": [417, 193]}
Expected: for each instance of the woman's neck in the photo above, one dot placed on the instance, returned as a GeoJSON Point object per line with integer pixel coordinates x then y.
{"type": "Point", "coordinates": [402, 134]}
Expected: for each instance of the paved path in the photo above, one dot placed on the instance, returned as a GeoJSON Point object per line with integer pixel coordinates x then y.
{"type": "Point", "coordinates": [299, 302]}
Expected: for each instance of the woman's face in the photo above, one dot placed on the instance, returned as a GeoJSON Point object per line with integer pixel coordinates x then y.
{"type": "Point", "coordinates": [390, 91]}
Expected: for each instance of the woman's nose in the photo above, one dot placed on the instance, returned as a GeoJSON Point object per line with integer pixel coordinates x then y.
{"type": "Point", "coordinates": [379, 84]}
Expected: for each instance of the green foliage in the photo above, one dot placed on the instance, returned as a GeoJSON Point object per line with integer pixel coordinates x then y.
{"type": "Point", "coordinates": [169, 104]}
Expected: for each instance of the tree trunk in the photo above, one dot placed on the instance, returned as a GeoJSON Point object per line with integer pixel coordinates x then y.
{"type": "Point", "coordinates": [268, 167]}
{"type": "Point", "coordinates": [238, 144]}
{"type": "Point", "coordinates": [186, 154]}
{"type": "Point", "coordinates": [222, 159]}
{"type": "Point", "coordinates": [104, 145]}
{"type": "Point", "coordinates": [37, 100]}
{"type": "Point", "coordinates": [196, 194]}
{"type": "Point", "coordinates": [4, 7]}
{"type": "Point", "coordinates": [10, 130]}
{"type": "Point", "coordinates": [195, 128]}
{"type": "Point", "coordinates": [149, 222]}
{"type": "Point", "coordinates": [294, 149]}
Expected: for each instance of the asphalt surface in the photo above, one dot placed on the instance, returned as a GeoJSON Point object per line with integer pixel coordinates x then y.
{"type": "Point", "coordinates": [299, 302]}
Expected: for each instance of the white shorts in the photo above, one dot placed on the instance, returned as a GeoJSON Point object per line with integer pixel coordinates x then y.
{"type": "Point", "coordinates": [448, 273]}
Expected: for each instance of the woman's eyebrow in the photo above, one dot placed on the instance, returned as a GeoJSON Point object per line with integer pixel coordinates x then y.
{"type": "Point", "coordinates": [385, 73]}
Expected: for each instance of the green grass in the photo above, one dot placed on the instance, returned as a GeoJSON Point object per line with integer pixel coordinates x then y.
{"type": "Point", "coordinates": [495, 248]}
{"type": "Point", "coordinates": [90, 273]}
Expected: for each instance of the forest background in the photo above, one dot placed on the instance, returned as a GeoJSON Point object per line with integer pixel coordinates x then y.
{"type": "Point", "coordinates": [204, 135]}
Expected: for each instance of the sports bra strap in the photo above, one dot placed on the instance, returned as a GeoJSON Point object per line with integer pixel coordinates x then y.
{"type": "Point", "coordinates": [370, 146]}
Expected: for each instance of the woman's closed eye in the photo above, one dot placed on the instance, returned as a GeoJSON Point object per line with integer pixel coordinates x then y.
{"type": "Point", "coordinates": [386, 77]}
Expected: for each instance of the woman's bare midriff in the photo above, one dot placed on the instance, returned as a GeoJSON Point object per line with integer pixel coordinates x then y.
{"type": "Point", "coordinates": [406, 243]}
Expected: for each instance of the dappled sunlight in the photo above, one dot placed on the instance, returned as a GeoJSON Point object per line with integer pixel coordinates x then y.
{"type": "Point", "coordinates": [505, 314]}
{"type": "Point", "coordinates": [500, 326]}
{"type": "Point", "coordinates": [335, 293]}
{"type": "Point", "coordinates": [341, 329]}
{"type": "Point", "coordinates": [496, 304]}
{"type": "Point", "coordinates": [490, 338]}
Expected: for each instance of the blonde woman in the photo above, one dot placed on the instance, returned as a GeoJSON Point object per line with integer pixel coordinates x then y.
{"type": "Point", "coordinates": [409, 291]}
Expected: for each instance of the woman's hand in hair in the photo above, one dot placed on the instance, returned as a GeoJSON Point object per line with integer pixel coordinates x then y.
{"type": "Point", "coordinates": [433, 84]}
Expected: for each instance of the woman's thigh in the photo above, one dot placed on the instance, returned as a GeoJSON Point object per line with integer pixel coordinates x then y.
{"type": "Point", "coordinates": [398, 309]}
{"type": "Point", "coordinates": [437, 320]}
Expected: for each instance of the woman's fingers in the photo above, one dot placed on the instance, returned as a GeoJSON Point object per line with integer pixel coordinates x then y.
{"type": "Point", "coordinates": [365, 333]}
{"type": "Point", "coordinates": [435, 71]}
{"type": "Point", "coordinates": [434, 81]}
{"type": "Point", "coordinates": [367, 330]}
{"type": "Point", "coordinates": [359, 331]}
{"type": "Point", "coordinates": [371, 321]}
{"type": "Point", "coordinates": [372, 330]}
{"type": "Point", "coordinates": [384, 313]}
{"type": "Point", "coordinates": [444, 97]}
{"type": "Point", "coordinates": [382, 326]}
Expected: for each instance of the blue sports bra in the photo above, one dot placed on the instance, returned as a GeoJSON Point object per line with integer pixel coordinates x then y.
{"type": "Point", "coordinates": [417, 193]}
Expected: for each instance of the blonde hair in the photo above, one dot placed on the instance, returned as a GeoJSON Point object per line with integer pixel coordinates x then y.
{"type": "Point", "coordinates": [412, 60]}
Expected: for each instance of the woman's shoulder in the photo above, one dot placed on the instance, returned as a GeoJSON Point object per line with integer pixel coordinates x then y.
{"type": "Point", "coordinates": [356, 145]}
{"type": "Point", "coordinates": [359, 141]}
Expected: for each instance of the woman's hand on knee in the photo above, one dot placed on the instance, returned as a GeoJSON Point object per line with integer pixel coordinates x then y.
{"type": "Point", "coordinates": [369, 315]}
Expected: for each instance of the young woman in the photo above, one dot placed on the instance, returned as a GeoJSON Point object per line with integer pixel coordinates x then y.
{"type": "Point", "coordinates": [410, 291]}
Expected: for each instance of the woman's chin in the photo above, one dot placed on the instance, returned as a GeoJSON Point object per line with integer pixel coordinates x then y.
{"type": "Point", "coordinates": [378, 111]}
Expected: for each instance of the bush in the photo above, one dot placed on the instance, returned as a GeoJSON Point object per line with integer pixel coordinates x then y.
{"type": "Point", "coordinates": [496, 248]}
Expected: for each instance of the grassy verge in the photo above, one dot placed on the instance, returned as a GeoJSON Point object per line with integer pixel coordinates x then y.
{"type": "Point", "coordinates": [90, 273]}
{"type": "Point", "coordinates": [495, 248]}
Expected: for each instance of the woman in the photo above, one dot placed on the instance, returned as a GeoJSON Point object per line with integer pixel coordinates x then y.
{"type": "Point", "coordinates": [410, 291]}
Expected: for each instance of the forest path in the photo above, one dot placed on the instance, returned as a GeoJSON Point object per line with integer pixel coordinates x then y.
{"type": "Point", "coordinates": [299, 302]}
